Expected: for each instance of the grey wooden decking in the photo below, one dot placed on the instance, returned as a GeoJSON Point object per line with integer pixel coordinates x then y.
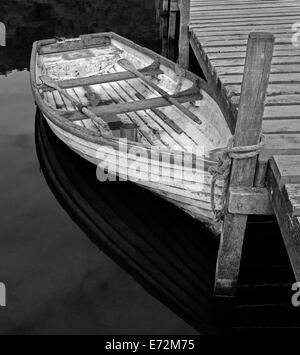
{"type": "Point", "coordinates": [219, 31]}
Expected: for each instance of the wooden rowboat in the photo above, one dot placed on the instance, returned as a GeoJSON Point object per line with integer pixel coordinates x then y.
{"type": "Point", "coordinates": [133, 113]}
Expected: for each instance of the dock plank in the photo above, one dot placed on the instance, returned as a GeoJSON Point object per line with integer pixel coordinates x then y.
{"type": "Point", "coordinates": [240, 52]}
{"type": "Point", "coordinates": [242, 22]}
{"type": "Point", "coordinates": [281, 126]}
{"type": "Point", "coordinates": [285, 199]}
{"type": "Point", "coordinates": [286, 169]}
{"type": "Point", "coordinates": [276, 100]}
{"type": "Point", "coordinates": [288, 69]}
{"type": "Point", "coordinates": [292, 195]}
{"type": "Point", "coordinates": [274, 78]}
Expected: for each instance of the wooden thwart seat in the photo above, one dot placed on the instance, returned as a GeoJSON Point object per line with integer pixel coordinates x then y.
{"type": "Point", "coordinates": [152, 70]}
{"type": "Point", "coordinates": [183, 97]}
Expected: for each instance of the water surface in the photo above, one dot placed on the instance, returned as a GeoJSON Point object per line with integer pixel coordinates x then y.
{"type": "Point", "coordinates": [57, 280]}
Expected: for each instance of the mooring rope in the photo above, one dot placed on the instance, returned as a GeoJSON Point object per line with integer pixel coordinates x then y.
{"type": "Point", "coordinates": [221, 171]}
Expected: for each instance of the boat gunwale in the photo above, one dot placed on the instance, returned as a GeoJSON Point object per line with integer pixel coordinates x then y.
{"type": "Point", "coordinates": [89, 135]}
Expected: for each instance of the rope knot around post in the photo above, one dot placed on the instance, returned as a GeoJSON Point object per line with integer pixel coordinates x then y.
{"type": "Point", "coordinates": [221, 171]}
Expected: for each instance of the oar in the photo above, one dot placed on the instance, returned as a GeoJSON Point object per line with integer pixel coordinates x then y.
{"type": "Point", "coordinates": [53, 84]}
{"type": "Point", "coordinates": [124, 63]}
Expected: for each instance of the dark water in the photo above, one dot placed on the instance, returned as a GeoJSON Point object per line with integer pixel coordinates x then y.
{"type": "Point", "coordinates": [57, 280]}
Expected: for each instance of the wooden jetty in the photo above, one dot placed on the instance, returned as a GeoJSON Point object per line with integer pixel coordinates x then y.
{"type": "Point", "coordinates": [249, 52]}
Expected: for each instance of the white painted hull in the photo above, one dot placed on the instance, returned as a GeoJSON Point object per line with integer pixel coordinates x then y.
{"type": "Point", "coordinates": [191, 189]}
{"type": "Point", "coordinates": [195, 199]}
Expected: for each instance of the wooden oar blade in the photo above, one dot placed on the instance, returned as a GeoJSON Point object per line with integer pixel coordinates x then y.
{"type": "Point", "coordinates": [124, 63]}
{"type": "Point", "coordinates": [46, 80]}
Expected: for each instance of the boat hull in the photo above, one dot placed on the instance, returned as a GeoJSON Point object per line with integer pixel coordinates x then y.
{"type": "Point", "coordinates": [172, 152]}
{"type": "Point", "coordinates": [194, 200]}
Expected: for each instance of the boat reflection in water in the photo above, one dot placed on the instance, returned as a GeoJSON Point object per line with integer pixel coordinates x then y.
{"type": "Point", "coordinates": [169, 253]}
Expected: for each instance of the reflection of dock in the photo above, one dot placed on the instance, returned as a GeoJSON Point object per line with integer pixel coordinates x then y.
{"type": "Point", "coordinates": [175, 262]}
{"type": "Point", "coordinates": [218, 33]}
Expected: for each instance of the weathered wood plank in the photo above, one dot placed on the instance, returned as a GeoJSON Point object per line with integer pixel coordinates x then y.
{"type": "Point", "coordinates": [85, 41]}
{"type": "Point", "coordinates": [289, 226]}
{"type": "Point", "coordinates": [164, 27]}
{"type": "Point", "coordinates": [242, 29]}
{"type": "Point", "coordinates": [238, 36]}
{"type": "Point", "coordinates": [241, 61]}
{"type": "Point", "coordinates": [240, 33]}
{"type": "Point", "coordinates": [158, 8]}
{"type": "Point", "coordinates": [256, 76]}
{"type": "Point", "coordinates": [281, 144]}
{"type": "Point", "coordinates": [239, 52]}
{"type": "Point", "coordinates": [288, 69]}
{"type": "Point", "coordinates": [172, 34]}
{"type": "Point", "coordinates": [282, 111]}
{"type": "Point", "coordinates": [274, 78]}
{"type": "Point", "coordinates": [102, 79]}
{"type": "Point", "coordinates": [174, 5]}
{"type": "Point", "coordinates": [274, 14]}
{"type": "Point", "coordinates": [163, 117]}
{"type": "Point", "coordinates": [291, 193]}
{"type": "Point", "coordinates": [130, 106]}
{"type": "Point", "coordinates": [129, 66]}
{"type": "Point", "coordinates": [225, 13]}
{"type": "Point", "coordinates": [273, 89]}
{"type": "Point", "coordinates": [276, 100]}
{"type": "Point", "coordinates": [278, 148]}
{"type": "Point", "coordinates": [196, 3]}
{"type": "Point", "coordinates": [237, 42]}
{"type": "Point", "coordinates": [286, 169]}
{"type": "Point", "coordinates": [222, 23]}
{"type": "Point", "coordinates": [249, 201]}
{"type": "Point", "coordinates": [228, 7]}
{"type": "Point", "coordinates": [184, 36]}
{"type": "Point", "coordinates": [219, 6]}
{"type": "Point", "coordinates": [281, 126]}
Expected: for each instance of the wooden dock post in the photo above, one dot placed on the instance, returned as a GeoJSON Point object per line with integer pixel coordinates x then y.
{"type": "Point", "coordinates": [184, 34]}
{"type": "Point", "coordinates": [157, 7]}
{"type": "Point", "coordinates": [164, 20]}
{"type": "Point", "coordinates": [173, 11]}
{"type": "Point", "coordinates": [247, 132]}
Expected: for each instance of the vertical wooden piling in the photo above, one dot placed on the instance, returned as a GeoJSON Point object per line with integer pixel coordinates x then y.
{"type": "Point", "coordinates": [164, 21]}
{"type": "Point", "coordinates": [157, 8]}
{"type": "Point", "coordinates": [173, 10]}
{"type": "Point", "coordinates": [184, 34]}
{"type": "Point", "coordinates": [248, 132]}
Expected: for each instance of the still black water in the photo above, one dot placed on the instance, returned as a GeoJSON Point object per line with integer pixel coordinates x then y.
{"type": "Point", "coordinates": [57, 280]}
